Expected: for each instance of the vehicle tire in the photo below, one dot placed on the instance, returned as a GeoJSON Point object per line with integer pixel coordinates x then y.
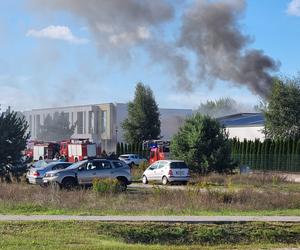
{"type": "Point", "coordinates": [184, 183]}
{"type": "Point", "coordinates": [145, 180]}
{"type": "Point", "coordinates": [165, 180]}
{"type": "Point", "coordinates": [122, 187]}
{"type": "Point", "coordinates": [68, 183]}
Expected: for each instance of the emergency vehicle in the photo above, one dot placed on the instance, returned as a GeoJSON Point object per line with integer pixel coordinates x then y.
{"type": "Point", "coordinates": [78, 149]}
{"type": "Point", "coordinates": [158, 150]}
{"type": "Point", "coordinates": [45, 150]}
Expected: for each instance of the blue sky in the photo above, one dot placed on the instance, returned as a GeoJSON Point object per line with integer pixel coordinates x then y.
{"type": "Point", "coordinates": [51, 53]}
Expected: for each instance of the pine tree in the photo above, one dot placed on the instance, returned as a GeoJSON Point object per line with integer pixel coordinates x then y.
{"type": "Point", "coordinates": [118, 149]}
{"type": "Point", "coordinates": [143, 121]}
{"type": "Point", "coordinates": [122, 151]}
{"type": "Point", "coordinates": [13, 139]}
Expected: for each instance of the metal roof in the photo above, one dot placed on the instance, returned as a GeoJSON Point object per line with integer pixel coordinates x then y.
{"type": "Point", "coordinates": [243, 120]}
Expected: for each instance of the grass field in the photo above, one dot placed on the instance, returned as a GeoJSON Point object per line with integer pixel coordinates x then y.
{"type": "Point", "coordinates": [92, 235]}
{"type": "Point", "coordinates": [210, 195]}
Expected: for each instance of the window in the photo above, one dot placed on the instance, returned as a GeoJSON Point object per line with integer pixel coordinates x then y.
{"type": "Point", "coordinates": [117, 164]}
{"type": "Point", "coordinates": [154, 166]}
{"type": "Point", "coordinates": [178, 165]}
{"type": "Point", "coordinates": [91, 122]}
{"type": "Point", "coordinates": [101, 165]}
{"type": "Point", "coordinates": [162, 164]}
{"type": "Point", "coordinates": [91, 166]}
{"type": "Point", "coordinates": [60, 166]}
{"type": "Point", "coordinates": [79, 122]}
{"type": "Point", "coordinates": [103, 121]}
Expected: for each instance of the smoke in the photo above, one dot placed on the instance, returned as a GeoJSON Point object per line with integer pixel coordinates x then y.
{"type": "Point", "coordinates": [116, 25]}
{"type": "Point", "coordinates": [211, 30]}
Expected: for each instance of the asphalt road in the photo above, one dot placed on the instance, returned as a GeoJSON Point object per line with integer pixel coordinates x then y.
{"type": "Point", "coordinates": [165, 219]}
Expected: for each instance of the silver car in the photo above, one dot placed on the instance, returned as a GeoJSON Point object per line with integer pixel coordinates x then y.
{"type": "Point", "coordinates": [35, 174]}
{"type": "Point", "coordinates": [166, 171]}
{"type": "Point", "coordinates": [84, 172]}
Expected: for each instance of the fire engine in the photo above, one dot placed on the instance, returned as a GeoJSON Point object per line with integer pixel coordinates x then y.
{"type": "Point", "coordinates": [159, 150]}
{"type": "Point", "coordinates": [79, 149]}
{"type": "Point", "coordinates": [45, 150]}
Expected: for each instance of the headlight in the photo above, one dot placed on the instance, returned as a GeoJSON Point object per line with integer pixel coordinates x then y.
{"type": "Point", "coordinates": [50, 175]}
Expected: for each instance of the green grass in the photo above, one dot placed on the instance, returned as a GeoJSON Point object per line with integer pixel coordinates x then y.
{"type": "Point", "coordinates": [30, 209]}
{"type": "Point", "coordinates": [93, 235]}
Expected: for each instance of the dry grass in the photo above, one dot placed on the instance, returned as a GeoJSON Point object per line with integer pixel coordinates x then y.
{"type": "Point", "coordinates": [199, 197]}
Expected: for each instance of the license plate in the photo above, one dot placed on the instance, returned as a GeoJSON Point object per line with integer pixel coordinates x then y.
{"type": "Point", "coordinates": [181, 173]}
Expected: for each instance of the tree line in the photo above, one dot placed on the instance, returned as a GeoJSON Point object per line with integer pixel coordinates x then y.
{"type": "Point", "coordinates": [281, 155]}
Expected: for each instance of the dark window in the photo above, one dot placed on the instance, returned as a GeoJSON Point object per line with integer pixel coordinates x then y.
{"type": "Point", "coordinates": [79, 122]}
{"type": "Point", "coordinates": [117, 164]}
{"type": "Point", "coordinates": [60, 166]}
{"type": "Point", "coordinates": [102, 165]}
{"type": "Point", "coordinates": [176, 165]}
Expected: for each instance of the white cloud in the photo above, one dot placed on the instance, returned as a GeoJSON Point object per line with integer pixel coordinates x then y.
{"type": "Point", "coordinates": [294, 8]}
{"type": "Point", "coordinates": [57, 32]}
{"type": "Point", "coordinates": [140, 34]}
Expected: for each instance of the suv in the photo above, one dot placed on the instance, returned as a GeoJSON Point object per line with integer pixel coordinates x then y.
{"type": "Point", "coordinates": [166, 171]}
{"type": "Point", "coordinates": [84, 172]}
{"type": "Point", "coordinates": [132, 159]}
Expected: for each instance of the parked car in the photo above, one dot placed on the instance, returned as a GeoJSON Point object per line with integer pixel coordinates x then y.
{"type": "Point", "coordinates": [39, 164]}
{"type": "Point", "coordinates": [132, 159]}
{"type": "Point", "coordinates": [166, 171]}
{"type": "Point", "coordinates": [84, 172]}
{"type": "Point", "coordinates": [35, 175]}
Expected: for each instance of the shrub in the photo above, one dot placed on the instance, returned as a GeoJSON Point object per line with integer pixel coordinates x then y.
{"type": "Point", "coordinates": [106, 185]}
{"type": "Point", "coordinates": [204, 145]}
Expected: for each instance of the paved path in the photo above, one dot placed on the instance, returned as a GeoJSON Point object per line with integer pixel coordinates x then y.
{"type": "Point", "coordinates": [166, 219]}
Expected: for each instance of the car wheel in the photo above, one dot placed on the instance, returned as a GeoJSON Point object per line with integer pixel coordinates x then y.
{"type": "Point", "coordinates": [68, 183]}
{"type": "Point", "coordinates": [165, 180]}
{"type": "Point", "coordinates": [122, 187]}
{"type": "Point", "coordinates": [184, 183]}
{"type": "Point", "coordinates": [145, 180]}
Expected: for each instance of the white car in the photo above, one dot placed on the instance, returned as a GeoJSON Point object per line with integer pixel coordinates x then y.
{"type": "Point", "coordinates": [166, 171]}
{"type": "Point", "coordinates": [132, 159]}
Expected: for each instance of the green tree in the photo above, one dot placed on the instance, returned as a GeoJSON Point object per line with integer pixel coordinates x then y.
{"type": "Point", "coordinates": [118, 149]}
{"type": "Point", "coordinates": [203, 144]}
{"type": "Point", "coordinates": [143, 117]}
{"type": "Point", "coordinates": [282, 111]}
{"type": "Point", "coordinates": [56, 128]}
{"type": "Point", "coordinates": [122, 149]}
{"type": "Point", "coordinates": [13, 138]}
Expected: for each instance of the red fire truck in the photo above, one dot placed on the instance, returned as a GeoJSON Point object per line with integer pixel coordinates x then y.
{"type": "Point", "coordinates": [45, 150]}
{"type": "Point", "coordinates": [159, 150]}
{"type": "Point", "coordinates": [78, 149]}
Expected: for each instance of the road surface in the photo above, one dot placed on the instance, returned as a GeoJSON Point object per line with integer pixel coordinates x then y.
{"type": "Point", "coordinates": [165, 219]}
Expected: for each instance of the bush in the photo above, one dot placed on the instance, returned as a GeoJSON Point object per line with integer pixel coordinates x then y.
{"type": "Point", "coordinates": [107, 185]}
{"type": "Point", "coordinates": [204, 145]}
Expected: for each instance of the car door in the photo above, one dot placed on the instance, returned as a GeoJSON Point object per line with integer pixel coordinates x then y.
{"type": "Point", "coordinates": [103, 169]}
{"type": "Point", "coordinates": [160, 170]}
{"type": "Point", "coordinates": [150, 173]}
{"type": "Point", "coordinates": [87, 173]}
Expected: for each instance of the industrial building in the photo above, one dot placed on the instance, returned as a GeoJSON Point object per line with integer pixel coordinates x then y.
{"type": "Point", "coordinates": [101, 123]}
{"type": "Point", "coordinates": [248, 126]}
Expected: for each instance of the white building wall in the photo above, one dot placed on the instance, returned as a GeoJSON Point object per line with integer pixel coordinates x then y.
{"type": "Point", "coordinates": [171, 120]}
{"type": "Point", "coordinates": [246, 132]}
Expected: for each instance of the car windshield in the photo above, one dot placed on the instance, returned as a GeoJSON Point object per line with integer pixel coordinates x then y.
{"type": "Point", "coordinates": [76, 165]}
{"type": "Point", "coordinates": [124, 156]}
{"type": "Point", "coordinates": [178, 164]}
{"type": "Point", "coordinates": [40, 164]}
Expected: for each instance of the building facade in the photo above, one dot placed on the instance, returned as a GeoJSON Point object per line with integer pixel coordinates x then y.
{"type": "Point", "coordinates": [101, 123]}
{"type": "Point", "coordinates": [249, 126]}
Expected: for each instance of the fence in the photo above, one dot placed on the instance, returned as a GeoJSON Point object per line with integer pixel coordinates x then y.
{"type": "Point", "coordinates": [286, 162]}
